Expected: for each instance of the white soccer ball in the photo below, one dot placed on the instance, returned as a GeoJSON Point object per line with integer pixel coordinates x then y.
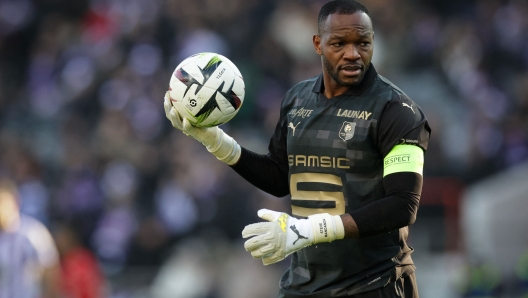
{"type": "Point", "coordinates": [207, 89]}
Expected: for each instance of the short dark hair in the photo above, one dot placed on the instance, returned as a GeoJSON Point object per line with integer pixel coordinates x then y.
{"type": "Point", "coordinates": [339, 7]}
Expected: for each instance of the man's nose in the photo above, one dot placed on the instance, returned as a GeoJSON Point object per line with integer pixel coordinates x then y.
{"type": "Point", "coordinates": [351, 53]}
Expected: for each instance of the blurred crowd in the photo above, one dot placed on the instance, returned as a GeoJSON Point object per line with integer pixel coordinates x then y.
{"type": "Point", "coordinates": [84, 136]}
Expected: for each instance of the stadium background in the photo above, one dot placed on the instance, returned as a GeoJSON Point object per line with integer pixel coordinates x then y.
{"type": "Point", "coordinates": [83, 134]}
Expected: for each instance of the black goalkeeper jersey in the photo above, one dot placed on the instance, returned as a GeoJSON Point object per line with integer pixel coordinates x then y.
{"type": "Point", "coordinates": [334, 149]}
{"type": "Point", "coordinates": [328, 155]}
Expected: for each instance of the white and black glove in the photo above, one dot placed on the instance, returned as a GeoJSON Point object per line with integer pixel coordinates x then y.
{"type": "Point", "coordinates": [283, 234]}
{"type": "Point", "coordinates": [220, 144]}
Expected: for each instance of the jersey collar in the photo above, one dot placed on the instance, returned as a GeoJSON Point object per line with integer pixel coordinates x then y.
{"type": "Point", "coordinates": [370, 76]}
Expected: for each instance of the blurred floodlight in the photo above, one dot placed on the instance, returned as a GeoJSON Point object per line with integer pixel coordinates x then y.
{"type": "Point", "coordinates": [119, 181]}
{"type": "Point", "coordinates": [78, 74]}
{"type": "Point", "coordinates": [145, 59]}
{"type": "Point", "coordinates": [114, 94]}
{"type": "Point", "coordinates": [201, 41]}
{"type": "Point", "coordinates": [176, 209]}
{"type": "Point", "coordinates": [146, 118]}
{"type": "Point", "coordinates": [14, 14]}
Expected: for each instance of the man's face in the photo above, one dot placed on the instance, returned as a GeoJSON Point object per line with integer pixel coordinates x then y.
{"type": "Point", "coordinates": [346, 45]}
{"type": "Point", "coordinates": [8, 209]}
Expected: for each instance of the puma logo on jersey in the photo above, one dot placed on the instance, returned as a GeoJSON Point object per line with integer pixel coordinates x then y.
{"type": "Point", "coordinates": [406, 105]}
{"type": "Point", "coordinates": [299, 236]}
{"type": "Point", "coordinates": [293, 127]}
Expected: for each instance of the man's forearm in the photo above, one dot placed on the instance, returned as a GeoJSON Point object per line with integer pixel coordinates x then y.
{"type": "Point", "coordinates": [398, 209]}
{"type": "Point", "coordinates": [263, 172]}
{"type": "Point", "coordinates": [385, 215]}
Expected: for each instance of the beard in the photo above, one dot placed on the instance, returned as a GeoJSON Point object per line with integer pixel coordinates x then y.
{"type": "Point", "coordinates": [333, 73]}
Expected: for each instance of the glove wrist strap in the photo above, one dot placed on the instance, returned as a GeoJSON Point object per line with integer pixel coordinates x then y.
{"type": "Point", "coordinates": [225, 148]}
{"type": "Point", "coordinates": [326, 228]}
{"type": "Point", "coordinates": [339, 227]}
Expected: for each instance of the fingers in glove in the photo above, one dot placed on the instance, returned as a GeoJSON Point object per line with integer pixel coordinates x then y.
{"type": "Point", "coordinates": [167, 104]}
{"type": "Point", "coordinates": [256, 229]}
{"type": "Point", "coordinates": [268, 215]}
{"type": "Point", "coordinates": [175, 119]}
{"type": "Point", "coordinates": [259, 241]}
{"type": "Point", "coordinates": [187, 127]}
{"type": "Point", "coordinates": [271, 259]}
{"type": "Point", "coordinates": [171, 113]}
{"type": "Point", "coordinates": [264, 250]}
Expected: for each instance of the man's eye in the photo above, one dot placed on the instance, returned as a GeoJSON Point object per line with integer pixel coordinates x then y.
{"type": "Point", "coordinates": [337, 44]}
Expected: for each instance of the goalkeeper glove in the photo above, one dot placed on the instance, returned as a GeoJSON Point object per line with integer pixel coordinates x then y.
{"type": "Point", "coordinates": [283, 235]}
{"type": "Point", "coordinates": [220, 144]}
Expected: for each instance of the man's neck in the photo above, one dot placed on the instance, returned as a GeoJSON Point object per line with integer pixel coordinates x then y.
{"type": "Point", "coordinates": [335, 89]}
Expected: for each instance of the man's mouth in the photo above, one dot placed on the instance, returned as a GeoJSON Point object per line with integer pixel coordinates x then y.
{"type": "Point", "coordinates": [351, 70]}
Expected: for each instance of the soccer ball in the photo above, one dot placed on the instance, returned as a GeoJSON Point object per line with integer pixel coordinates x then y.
{"type": "Point", "coordinates": [207, 89]}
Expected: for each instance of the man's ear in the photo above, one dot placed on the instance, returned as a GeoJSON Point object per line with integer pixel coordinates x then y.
{"type": "Point", "coordinates": [317, 44]}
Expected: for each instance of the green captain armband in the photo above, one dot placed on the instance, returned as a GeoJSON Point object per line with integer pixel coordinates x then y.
{"type": "Point", "coordinates": [404, 158]}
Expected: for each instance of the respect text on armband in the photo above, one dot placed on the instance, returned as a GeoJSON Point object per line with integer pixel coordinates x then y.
{"type": "Point", "coordinates": [397, 159]}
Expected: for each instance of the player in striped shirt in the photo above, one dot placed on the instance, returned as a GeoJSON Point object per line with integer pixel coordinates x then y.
{"type": "Point", "coordinates": [29, 264]}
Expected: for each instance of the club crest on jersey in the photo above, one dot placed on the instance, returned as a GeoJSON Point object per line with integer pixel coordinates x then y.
{"type": "Point", "coordinates": [347, 130]}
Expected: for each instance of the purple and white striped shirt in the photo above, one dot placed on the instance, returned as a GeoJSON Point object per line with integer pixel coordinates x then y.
{"type": "Point", "coordinates": [25, 250]}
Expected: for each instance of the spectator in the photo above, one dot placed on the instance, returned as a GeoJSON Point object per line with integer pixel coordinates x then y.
{"type": "Point", "coordinates": [81, 274]}
{"type": "Point", "coordinates": [29, 264]}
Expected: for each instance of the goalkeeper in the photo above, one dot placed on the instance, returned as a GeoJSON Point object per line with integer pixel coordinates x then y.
{"type": "Point", "coordinates": [349, 149]}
